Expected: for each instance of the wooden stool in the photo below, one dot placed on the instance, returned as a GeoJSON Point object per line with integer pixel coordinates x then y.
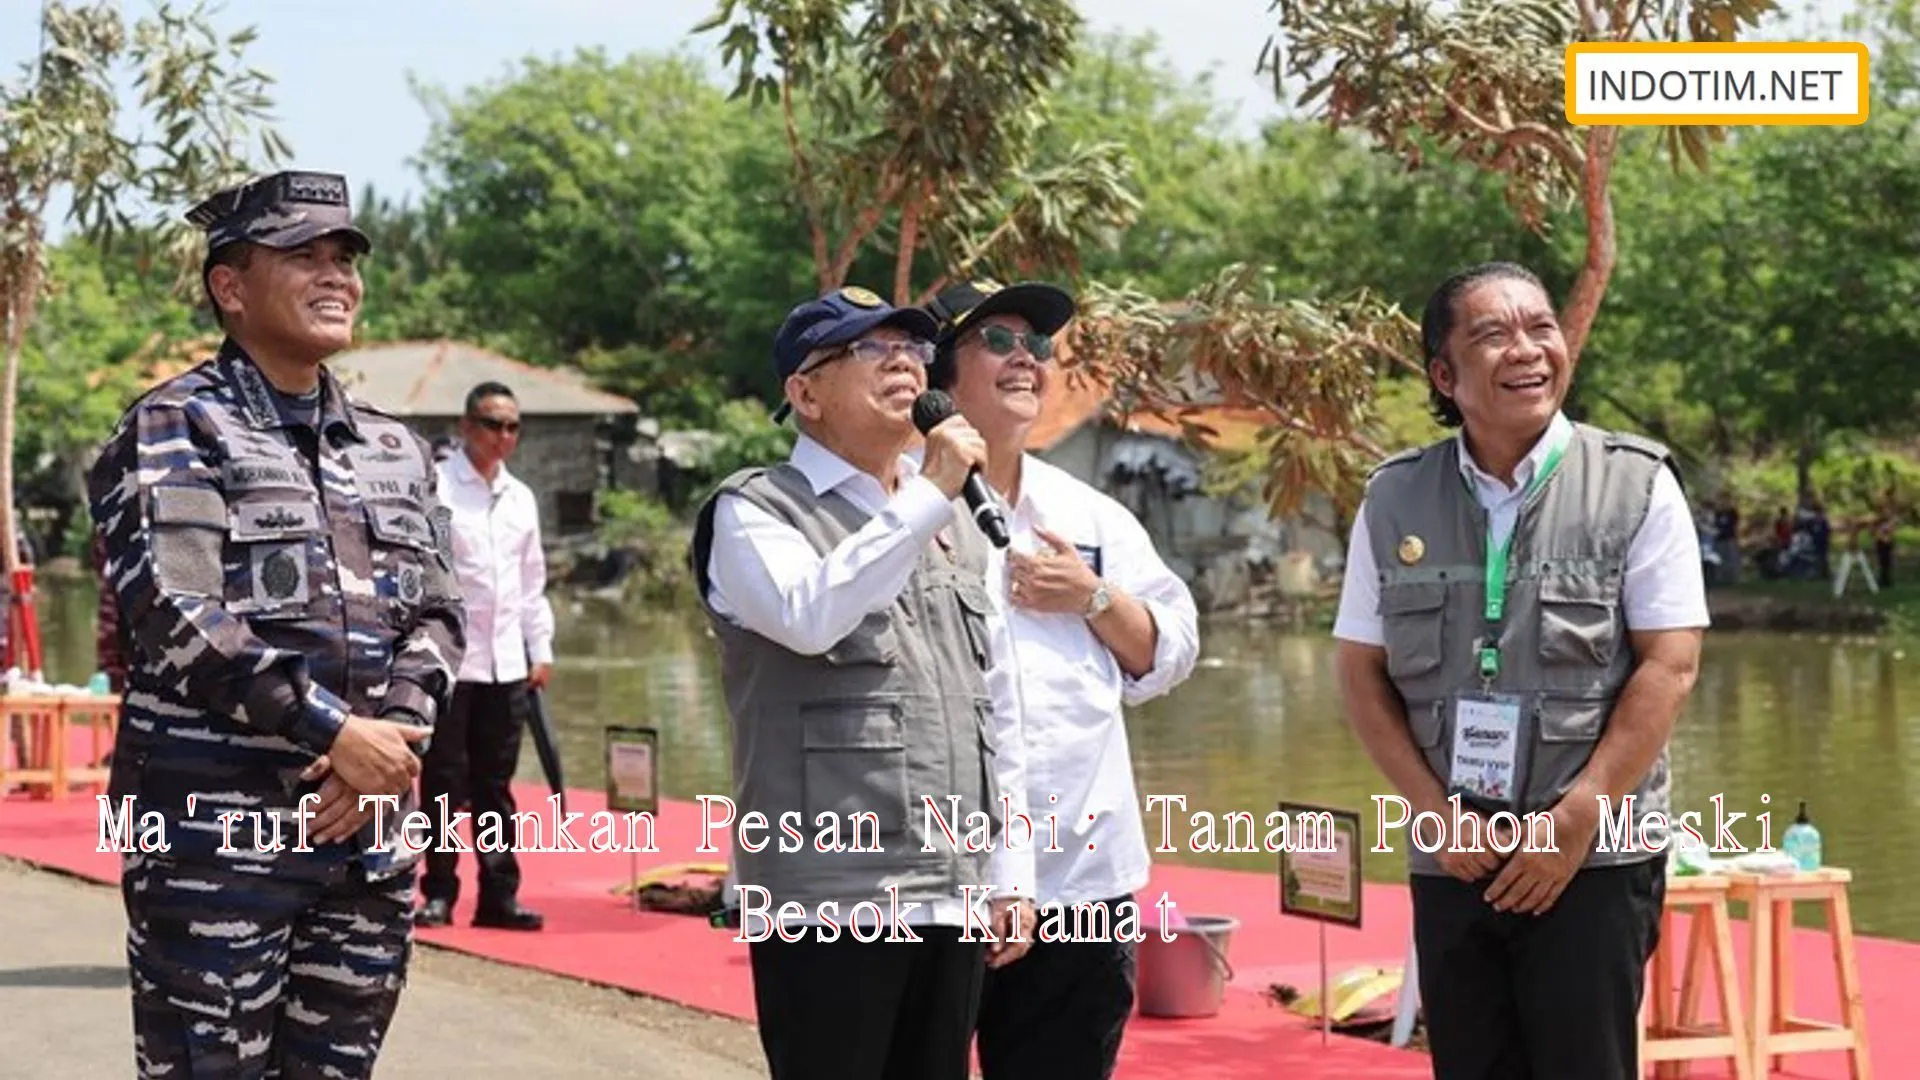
{"type": "Point", "coordinates": [100, 715]}
{"type": "Point", "coordinates": [44, 721]}
{"type": "Point", "coordinates": [1776, 1031]}
{"type": "Point", "coordinates": [1675, 1035]}
{"type": "Point", "coordinates": [39, 724]}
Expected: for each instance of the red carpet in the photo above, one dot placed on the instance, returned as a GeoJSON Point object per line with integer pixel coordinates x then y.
{"type": "Point", "coordinates": [594, 935]}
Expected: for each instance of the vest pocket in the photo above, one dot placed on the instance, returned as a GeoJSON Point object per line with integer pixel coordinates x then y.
{"type": "Point", "coordinates": [1571, 720]}
{"type": "Point", "coordinates": [856, 762]}
{"type": "Point", "coordinates": [1579, 622]}
{"type": "Point", "coordinates": [871, 642]}
{"type": "Point", "coordinates": [1412, 617]}
{"type": "Point", "coordinates": [974, 607]}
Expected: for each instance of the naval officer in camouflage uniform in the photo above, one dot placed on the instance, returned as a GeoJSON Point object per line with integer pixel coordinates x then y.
{"type": "Point", "coordinates": [1520, 627]}
{"type": "Point", "coordinates": [282, 569]}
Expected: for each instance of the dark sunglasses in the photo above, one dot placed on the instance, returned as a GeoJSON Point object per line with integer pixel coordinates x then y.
{"type": "Point", "coordinates": [1001, 341]}
{"type": "Point", "coordinates": [511, 427]}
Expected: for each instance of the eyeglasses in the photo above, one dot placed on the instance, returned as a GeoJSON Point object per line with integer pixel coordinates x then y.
{"type": "Point", "coordinates": [1001, 341]}
{"type": "Point", "coordinates": [510, 427]}
{"type": "Point", "coordinates": [874, 351]}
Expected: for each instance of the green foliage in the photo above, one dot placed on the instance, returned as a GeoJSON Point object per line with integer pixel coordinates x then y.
{"type": "Point", "coordinates": [747, 436]}
{"type": "Point", "coordinates": [199, 110]}
{"type": "Point", "coordinates": [1857, 483]}
{"type": "Point", "coordinates": [618, 214]}
{"type": "Point", "coordinates": [919, 118]}
{"type": "Point", "coordinates": [631, 520]}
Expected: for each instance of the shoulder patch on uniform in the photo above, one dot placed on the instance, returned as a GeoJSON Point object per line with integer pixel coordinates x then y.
{"type": "Point", "coordinates": [440, 525]}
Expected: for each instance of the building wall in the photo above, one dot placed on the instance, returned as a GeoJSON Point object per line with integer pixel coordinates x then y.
{"type": "Point", "coordinates": [1227, 549]}
{"type": "Point", "coordinates": [561, 458]}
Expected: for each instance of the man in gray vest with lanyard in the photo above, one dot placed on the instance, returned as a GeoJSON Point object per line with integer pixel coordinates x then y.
{"type": "Point", "coordinates": [1519, 629]}
{"type": "Point", "coordinates": [868, 675]}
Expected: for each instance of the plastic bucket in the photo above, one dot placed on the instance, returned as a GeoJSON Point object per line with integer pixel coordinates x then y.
{"type": "Point", "coordinates": [1187, 976]}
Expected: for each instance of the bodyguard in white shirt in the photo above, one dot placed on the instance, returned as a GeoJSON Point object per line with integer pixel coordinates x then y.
{"type": "Point", "coordinates": [1098, 622]}
{"type": "Point", "coordinates": [866, 674]}
{"type": "Point", "coordinates": [503, 579]}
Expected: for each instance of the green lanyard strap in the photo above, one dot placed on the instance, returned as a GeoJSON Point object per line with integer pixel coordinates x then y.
{"type": "Point", "coordinates": [1496, 584]}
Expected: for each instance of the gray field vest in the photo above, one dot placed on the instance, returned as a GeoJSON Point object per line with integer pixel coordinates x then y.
{"type": "Point", "coordinates": [1563, 637]}
{"type": "Point", "coordinates": [895, 712]}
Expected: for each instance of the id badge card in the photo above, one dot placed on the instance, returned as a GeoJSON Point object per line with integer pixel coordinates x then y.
{"type": "Point", "coordinates": [1486, 749]}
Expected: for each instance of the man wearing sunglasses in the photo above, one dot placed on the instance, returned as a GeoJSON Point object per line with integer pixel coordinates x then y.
{"type": "Point", "coordinates": [1098, 621]}
{"type": "Point", "coordinates": [866, 671]}
{"type": "Point", "coordinates": [503, 576]}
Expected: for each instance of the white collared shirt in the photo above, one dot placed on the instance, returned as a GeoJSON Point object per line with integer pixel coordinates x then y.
{"type": "Point", "coordinates": [1079, 767]}
{"type": "Point", "coordinates": [767, 578]}
{"type": "Point", "coordinates": [502, 571]}
{"type": "Point", "coordinates": [1663, 588]}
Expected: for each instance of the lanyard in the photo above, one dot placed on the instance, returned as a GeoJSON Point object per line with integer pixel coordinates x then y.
{"type": "Point", "coordinates": [1496, 585]}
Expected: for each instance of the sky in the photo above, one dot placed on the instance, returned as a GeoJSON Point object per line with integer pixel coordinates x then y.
{"type": "Point", "coordinates": [343, 66]}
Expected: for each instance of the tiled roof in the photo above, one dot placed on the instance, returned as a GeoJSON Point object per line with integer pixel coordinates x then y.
{"type": "Point", "coordinates": [416, 378]}
{"type": "Point", "coordinates": [1075, 397]}
{"type": "Point", "coordinates": [431, 378]}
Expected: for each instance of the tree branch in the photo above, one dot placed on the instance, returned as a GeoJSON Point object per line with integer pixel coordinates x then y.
{"type": "Point", "coordinates": [909, 240]}
{"type": "Point", "coordinates": [1589, 20]}
{"type": "Point", "coordinates": [863, 227]}
{"type": "Point", "coordinates": [808, 193]}
{"type": "Point", "coordinates": [1526, 133]}
{"type": "Point", "coordinates": [1583, 302]}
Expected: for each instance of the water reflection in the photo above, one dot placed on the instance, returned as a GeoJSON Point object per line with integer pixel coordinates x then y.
{"type": "Point", "coordinates": [1792, 718]}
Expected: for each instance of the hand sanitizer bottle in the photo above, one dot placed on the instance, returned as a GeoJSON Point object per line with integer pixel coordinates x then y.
{"type": "Point", "coordinates": [1802, 841]}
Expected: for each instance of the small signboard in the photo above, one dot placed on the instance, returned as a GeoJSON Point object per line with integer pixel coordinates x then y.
{"type": "Point", "coordinates": [633, 769]}
{"type": "Point", "coordinates": [1320, 866]}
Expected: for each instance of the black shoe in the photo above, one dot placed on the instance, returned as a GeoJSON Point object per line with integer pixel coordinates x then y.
{"type": "Point", "coordinates": [513, 917]}
{"type": "Point", "coordinates": [434, 913]}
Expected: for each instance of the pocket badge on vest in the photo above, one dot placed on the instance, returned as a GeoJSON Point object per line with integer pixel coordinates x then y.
{"type": "Point", "coordinates": [1486, 751]}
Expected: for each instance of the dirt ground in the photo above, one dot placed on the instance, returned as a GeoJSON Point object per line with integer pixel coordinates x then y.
{"type": "Point", "coordinates": [63, 992]}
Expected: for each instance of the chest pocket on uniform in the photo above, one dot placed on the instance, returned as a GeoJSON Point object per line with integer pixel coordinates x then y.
{"type": "Point", "coordinates": [271, 555]}
{"type": "Point", "coordinates": [402, 541]}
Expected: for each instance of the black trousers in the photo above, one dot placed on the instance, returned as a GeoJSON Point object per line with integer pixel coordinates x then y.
{"type": "Point", "coordinates": [1538, 997]}
{"type": "Point", "coordinates": [1060, 1011]}
{"type": "Point", "coordinates": [471, 760]}
{"type": "Point", "coordinates": [874, 1010]}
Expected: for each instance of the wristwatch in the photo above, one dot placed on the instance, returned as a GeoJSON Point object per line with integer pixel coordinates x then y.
{"type": "Point", "coordinates": [1100, 601]}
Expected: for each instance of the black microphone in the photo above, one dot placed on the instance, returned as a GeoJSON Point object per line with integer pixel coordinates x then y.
{"type": "Point", "coordinates": [929, 409]}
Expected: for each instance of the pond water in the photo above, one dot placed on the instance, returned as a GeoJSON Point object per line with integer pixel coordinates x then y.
{"type": "Point", "coordinates": [1833, 722]}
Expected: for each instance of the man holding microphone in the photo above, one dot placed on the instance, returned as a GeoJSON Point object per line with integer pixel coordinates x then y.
{"type": "Point", "coordinates": [866, 673]}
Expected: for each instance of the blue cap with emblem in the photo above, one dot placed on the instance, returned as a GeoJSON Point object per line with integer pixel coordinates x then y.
{"type": "Point", "coordinates": [283, 210]}
{"type": "Point", "coordinates": [837, 318]}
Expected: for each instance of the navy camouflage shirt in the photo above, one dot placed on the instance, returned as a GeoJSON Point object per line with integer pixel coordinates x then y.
{"type": "Point", "coordinates": [272, 576]}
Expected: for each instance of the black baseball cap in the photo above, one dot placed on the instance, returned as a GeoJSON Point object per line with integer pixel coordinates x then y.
{"type": "Point", "coordinates": [964, 305]}
{"type": "Point", "coordinates": [844, 315]}
{"type": "Point", "coordinates": [281, 210]}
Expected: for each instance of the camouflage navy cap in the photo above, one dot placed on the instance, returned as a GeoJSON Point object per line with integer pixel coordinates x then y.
{"type": "Point", "coordinates": [283, 210]}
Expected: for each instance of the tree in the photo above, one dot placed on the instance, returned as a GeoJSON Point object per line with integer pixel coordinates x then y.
{"type": "Point", "coordinates": [1486, 83]}
{"type": "Point", "coordinates": [618, 214]}
{"type": "Point", "coordinates": [913, 124]}
{"type": "Point", "coordinates": [1477, 82]}
{"type": "Point", "coordinates": [198, 112]}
